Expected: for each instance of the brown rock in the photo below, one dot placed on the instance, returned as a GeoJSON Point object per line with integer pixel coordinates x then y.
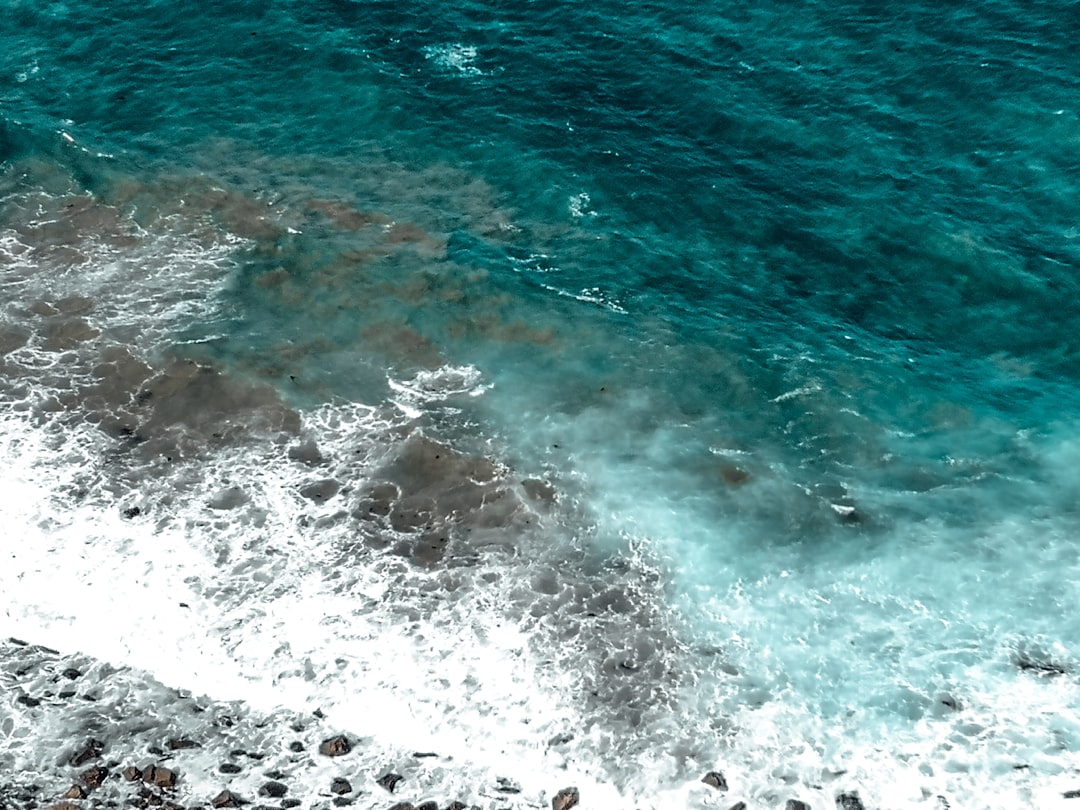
{"type": "Point", "coordinates": [390, 780]}
{"type": "Point", "coordinates": [95, 776]}
{"type": "Point", "coordinates": [180, 744]}
{"type": "Point", "coordinates": [162, 777]}
{"type": "Point", "coordinates": [74, 792]}
{"type": "Point", "coordinates": [63, 806]}
{"type": "Point", "coordinates": [90, 750]}
{"type": "Point", "coordinates": [226, 799]}
{"type": "Point", "coordinates": [131, 773]}
{"type": "Point", "coordinates": [565, 799]}
{"type": "Point", "coordinates": [715, 779]}
{"type": "Point", "coordinates": [335, 746]}
{"type": "Point", "coordinates": [340, 786]}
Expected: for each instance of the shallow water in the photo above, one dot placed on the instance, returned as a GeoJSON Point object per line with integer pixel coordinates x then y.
{"type": "Point", "coordinates": [629, 393]}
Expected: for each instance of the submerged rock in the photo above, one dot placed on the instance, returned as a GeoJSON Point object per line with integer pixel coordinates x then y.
{"type": "Point", "coordinates": [849, 801]}
{"type": "Point", "coordinates": [715, 779]}
{"type": "Point", "coordinates": [390, 780]}
{"type": "Point", "coordinates": [90, 750]}
{"type": "Point", "coordinates": [565, 799]}
{"type": "Point", "coordinates": [274, 790]}
{"type": "Point", "coordinates": [94, 776]}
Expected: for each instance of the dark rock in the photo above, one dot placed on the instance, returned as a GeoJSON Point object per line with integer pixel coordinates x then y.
{"type": "Point", "coordinates": [1071, 794]}
{"type": "Point", "coordinates": [275, 790]}
{"type": "Point", "coordinates": [277, 776]}
{"type": "Point", "coordinates": [849, 801]}
{"type": "Point", "coordinates": [296, 747]}
{"type": "Point", "coordinates": [565, 799]}
{"type": "Point", "coordinates": [131, 773]}
{"type": "Point", "coordinates": [74, 792]}
{"type": "Point", "coordinates": [423, 754]}
{"type": "Point", "coordinates": [402, 806]}
{"type": "Point", "coordinates": [181, 744]}
{"type": "Point", "coordinates": [229, 767]}
{"type": "Point", "coordinates": [90, 750]}
{"type": "Point", "coordinates": [26, 700]}
{"type": "Point", "coordinates": [95, 776]}
{"type": "Point", "coordinates": [506, 785]}
{"type": "Point", "coordinates": [340, 786]}
{"type": "Point", "coordinates": [227, 799]}
{"type": "Point", "coordinates": [1049, 668]}
{"type": "Point", "coordinates": [795, 804]}
{"type": "Point", "coordinates": [739, 806]}
{"type": "Point", "coordinates": [344, 801]}
{"type": "Point", "coordinates": [390, 780]}
{"type": "Point", "coordinates": [156, 750]}
{"type": "Point", "coordinates": [455, 805]}
{"type": "Point", "coordinates": [71, 673]}
{"type": "Point", "coordinates": [948, 701]}
{"type": "Point", "coordinates": [335, 746]}
{"type": "Point", "coordinates": [132, 511]}
{"type": "Point", "coordinates": [287, 803]}
{"type": "Point", "coordinates": [161, 777]}
{"type": "Point", "coordinates": [67, 693]}
{"type": "Point", "coordinates": [427, 806]}
{"type": "Point", "coordinates": [715, 779]}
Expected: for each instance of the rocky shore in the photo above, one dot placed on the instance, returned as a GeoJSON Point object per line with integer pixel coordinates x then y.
{"type": "Point", "coordinates": [77, 733]}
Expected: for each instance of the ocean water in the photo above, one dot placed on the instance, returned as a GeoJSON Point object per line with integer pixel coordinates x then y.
{"type": "Point", "coordinates": [604, 394]}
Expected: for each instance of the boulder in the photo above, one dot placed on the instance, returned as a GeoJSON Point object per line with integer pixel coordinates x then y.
{"type": "Point", "coordinates": [715, 779]}
{"type": "Point", "coordinates": [340, 786]}
{"type": "Point", "coordinates": [94, 776]}
{"type": "Point", "coordinates": [390, 780]}
{"type": "Point", "coordinates": [226, 799]}
{"type": "Point", "coordinates": [849, 801]}
{"type": "Point", "coordinates": [91, 749]}
{"type": "Point", "coordinates": [274, 790]}
{"type": "Point", "coordinates": [565, 799]}
{"type": "Point", "coordinates": [335, 746]}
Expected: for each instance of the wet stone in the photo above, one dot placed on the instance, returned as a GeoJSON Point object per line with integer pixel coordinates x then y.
{"type": "Point", "coordinates": [287, 803]}
{"type": "Point", "coordinates": [90, 750]}
{"type": "Point", "coordinates": [74, 792]}
{"type": "Point", "coordinates": [296, 747]}
{"type": "Point", "coordinates": [715, 779]}
{"type": "Point", "coordinates": [390, 780]}
{"type": "Point", "coordinates": [455, 805]}
{"type": "Point", "coordinates": [565, 799]}
{"type": "Point", "coordinates": [275, 790]}
{"type": "Point", "coordinates": [335, 746]}
{"type": "Point", "coordinates": [427, 806]}
{"type": "Point", "coordinates": [226, 799]}
{"type": "Point", "coordinates": [94, 776]}
{"type": "Point", "coordinates": [1071, 794]}
{"type": "Point", "coordinates": [229, 767]}
{"type": "Point", "coordinates": [344, 801]}
{"type": "Point", "coordinates": [161, 777]}
{"type": "Point", "coordinates": [795, 804]}
{"type": "Point", "coordinates": [340, 786]}
{"type": "Point", "coordinates": [739, 806]}
{"type": "Point", "coordinates": [402, 806]}
{"type": "Point", "coordinates": [71, 673]}
{"type": "Point", "coordinates": [181, 744]}
{"type": "Point", "coordinates": [849, 801]}
{"type": "Point", "coordinates": [131, 773]}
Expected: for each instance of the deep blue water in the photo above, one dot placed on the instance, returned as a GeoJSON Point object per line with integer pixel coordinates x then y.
{"type": "Point", "coordinates": [783, 294]}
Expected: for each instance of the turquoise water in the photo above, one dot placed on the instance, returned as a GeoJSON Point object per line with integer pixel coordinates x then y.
{"type": "Point", "coordinates": [778, 299]}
